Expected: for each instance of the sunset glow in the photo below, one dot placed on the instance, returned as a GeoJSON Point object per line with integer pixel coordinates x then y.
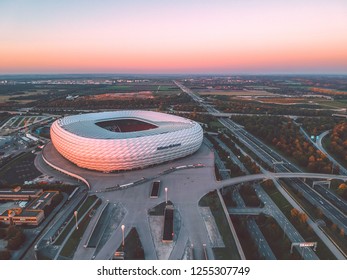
{"type": "Point", "coordinates": [230, 36]}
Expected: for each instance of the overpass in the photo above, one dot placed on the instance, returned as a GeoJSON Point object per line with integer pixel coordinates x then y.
{"type": "Point", "coordinates": [270, 175]}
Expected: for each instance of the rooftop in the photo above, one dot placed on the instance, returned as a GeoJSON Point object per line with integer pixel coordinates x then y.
{"type": "Point", "coordinates": [93, 125]}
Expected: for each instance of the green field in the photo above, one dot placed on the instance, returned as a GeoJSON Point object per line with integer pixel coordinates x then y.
{"type": "Point", "coordinates": [337, 104]}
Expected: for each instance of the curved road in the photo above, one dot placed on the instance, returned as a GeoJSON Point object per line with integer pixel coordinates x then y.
{"type": "Point", "coordinates": [331, 158]}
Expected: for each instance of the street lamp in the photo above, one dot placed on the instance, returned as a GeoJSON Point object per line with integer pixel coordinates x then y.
{"type": "Point", "coordinates": [122, 227]}
{"type": "Point", "coordinates": [204, 248]}
{"type": "Point", "coordinates": [284, 230]}
{"type": "Point", "coordinates": [166, 195]}
{"type": "Point", "coordinates": [75, 214]}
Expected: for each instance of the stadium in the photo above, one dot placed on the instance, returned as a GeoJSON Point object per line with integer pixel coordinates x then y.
{"type": "Point", "coordinates": [124, 140]}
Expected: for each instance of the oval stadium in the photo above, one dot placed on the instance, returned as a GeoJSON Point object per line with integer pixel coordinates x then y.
{"type": "Point", "coordinates": [124, 140]}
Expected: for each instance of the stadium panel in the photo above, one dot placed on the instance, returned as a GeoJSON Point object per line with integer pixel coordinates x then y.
{"type": "Point", "coordinates": [124, 140]}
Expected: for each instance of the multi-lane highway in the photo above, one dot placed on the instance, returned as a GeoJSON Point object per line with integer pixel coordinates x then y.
{"type": "Point", "coordinates": [331, 196]}
{"type": "Point", "coordinates": [278, 162]}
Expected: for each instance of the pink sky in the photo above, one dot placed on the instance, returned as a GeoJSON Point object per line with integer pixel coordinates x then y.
{"type": "Point", "coordinates": [173, 36]}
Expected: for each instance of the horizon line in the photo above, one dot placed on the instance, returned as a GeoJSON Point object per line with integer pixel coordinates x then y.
{"type": "Point", "coordinates": [177, 74]}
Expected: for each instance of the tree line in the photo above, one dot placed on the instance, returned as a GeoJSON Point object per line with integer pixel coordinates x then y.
{"type": "Point", "coordinates": [284, 135]}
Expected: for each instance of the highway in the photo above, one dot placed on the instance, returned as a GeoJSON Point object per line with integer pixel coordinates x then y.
{"type": "Point", "coordinates": [282, 165]}
{"type": "Point", "coordinates": [332, 197]}
{"type": "Point", "coordinates": [232, 156]}
{"type": "Point", "coordinates": [272, 158]}
{"type": "Point", "coordinates": [269, 209]}
{"type": "Point", "coordinates": [263, 247]}
{"type": "Point", "coordinates": [279, 163]}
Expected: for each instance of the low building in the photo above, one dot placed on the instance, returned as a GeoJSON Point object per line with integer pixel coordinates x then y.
{"type": "Point", "coordinates": [32, 214]}
{"type": "Point", "coordinates": [18, 193]}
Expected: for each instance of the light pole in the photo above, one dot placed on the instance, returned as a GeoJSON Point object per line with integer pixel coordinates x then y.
{"type": "Point", "coordinates": [166, 195]}
{"type": "Point", "coordinates": [204, 248]}
{"type": "Point", "coordinates": [75, 214]}
{"type": "Point", "coordinates": [122, 227]}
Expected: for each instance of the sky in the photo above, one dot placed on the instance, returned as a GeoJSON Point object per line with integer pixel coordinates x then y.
{"type": "Point", "coordinates": [173, 36]}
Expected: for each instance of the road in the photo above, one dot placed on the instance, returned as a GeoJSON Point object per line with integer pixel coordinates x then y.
{"type": "Point", "coordinates": [331, 196]}
{"type": "Point", "coordinates": [319, 146]}
{"type": "Point", "coordinates": [253, 229]}
{"type": "Point", "coordinates": [282, 165]}
{"type": "Point", "coordinates": [268, 211]}
{"type": "Point", "coordinates": [275, 160]}
{"type": "Point", "coordinates": [232, 156]}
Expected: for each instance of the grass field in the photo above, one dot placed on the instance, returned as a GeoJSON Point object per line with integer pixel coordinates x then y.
{"type": "Point", "coordinates": [85, 206]}
{"type": "Point", "coordinates": [7, 97]}
{"type": "Point", "coordinates": [279, 100]}
{"type": "Point", "coordinates": [215, 124]}
{"type": "Point", "coordinates": [337, 104]}
{"type": "Point", "coordinates": [71, 245]}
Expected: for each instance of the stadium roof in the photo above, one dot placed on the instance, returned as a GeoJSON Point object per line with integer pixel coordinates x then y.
{"type": "Point", "coordinates": [84, 125]}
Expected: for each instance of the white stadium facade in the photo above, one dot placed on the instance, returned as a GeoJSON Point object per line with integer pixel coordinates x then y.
{"type": "Point", "coordinates": [124, 140]}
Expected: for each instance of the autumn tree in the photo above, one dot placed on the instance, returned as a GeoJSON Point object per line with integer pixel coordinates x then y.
{"type": "Point", "coordinates": [342, 187]}
{"type": "Point", "coordinates": [294, 212]}
{"type": "Point", "coordinates": [303, 218]}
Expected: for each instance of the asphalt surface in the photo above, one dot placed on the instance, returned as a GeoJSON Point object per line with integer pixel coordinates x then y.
{"type": "Point", "coordinates": [185, 188]}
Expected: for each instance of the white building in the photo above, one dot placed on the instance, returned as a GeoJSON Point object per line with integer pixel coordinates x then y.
{"type": "Point", "coordinates": [124, 140]}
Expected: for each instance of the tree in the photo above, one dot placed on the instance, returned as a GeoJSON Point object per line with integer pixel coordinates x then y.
{"type": "Point", "coordinates": [303, 218]}
{"type": "Point", "coordinates": [342, 190]}
{"type": "Point", "coordinates": [294, 212]}
{"type": "Point", "coordinates": [333, 227]}
{"type": "Point", "coordinates": [342, 187]}
{"type": "Point", "coordinates": [319, 212]}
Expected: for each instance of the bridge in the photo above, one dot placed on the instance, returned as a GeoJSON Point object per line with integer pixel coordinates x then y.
{"type": "Point", "coordinates": [271, 175]}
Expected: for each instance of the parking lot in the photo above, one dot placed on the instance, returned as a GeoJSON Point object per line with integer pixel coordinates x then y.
{"type": "Point", "coordinates": [20, 170]}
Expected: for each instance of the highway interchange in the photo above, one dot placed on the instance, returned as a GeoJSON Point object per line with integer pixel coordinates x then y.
{"type": "Point", "coordinates": [279, 163]}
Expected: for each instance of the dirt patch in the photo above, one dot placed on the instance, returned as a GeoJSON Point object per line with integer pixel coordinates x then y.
{"type": "Point", "coordinates": [120, 96]}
